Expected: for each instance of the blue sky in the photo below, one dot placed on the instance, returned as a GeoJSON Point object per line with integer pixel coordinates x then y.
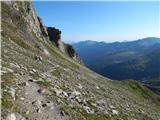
{"type": "Point", "coordinates": [101, 21]}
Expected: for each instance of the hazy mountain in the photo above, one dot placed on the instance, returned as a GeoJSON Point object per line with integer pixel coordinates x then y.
{"type": "Point", "coordinates": [138, 60]}
{"type": "Point", "coordinates": [42, 78]}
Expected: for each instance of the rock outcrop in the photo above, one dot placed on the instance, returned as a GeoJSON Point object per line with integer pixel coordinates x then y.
{"type": "Point", "coordinates": [55, 37]}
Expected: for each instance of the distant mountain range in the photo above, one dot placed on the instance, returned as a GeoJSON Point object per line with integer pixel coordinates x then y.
{"type": "Point", "coordinates": [138, 60]}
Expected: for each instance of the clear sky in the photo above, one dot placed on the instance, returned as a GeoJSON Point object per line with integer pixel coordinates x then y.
{"type": "Point", "coordinates": [101, 21]}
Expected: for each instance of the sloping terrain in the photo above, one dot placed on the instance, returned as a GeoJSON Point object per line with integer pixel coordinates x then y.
{"type": "Point", "coordinates": [41, 82]}
{"type": "Point", "coordinates": [138, 60]}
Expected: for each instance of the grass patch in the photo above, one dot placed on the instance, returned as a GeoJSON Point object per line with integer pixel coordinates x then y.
{"type": "Point", "coordinates": [44, 83]}
{"type": "Point", "coordinates": [142, 92]}
{"type": "Point", "coordinates": [56, 72]}
{"type": "Point", "coordinates": [8, 104]}
{"type": "Point", "coordinates": [86, 116]}
{"type": "Point", "coordinates": [35, 76]}
{"type": "Point", "coordinates": [7, 79]}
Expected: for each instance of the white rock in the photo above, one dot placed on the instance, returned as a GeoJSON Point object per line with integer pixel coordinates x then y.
{"type": "Point", "coordinates": [80, 86]}
{"type": "Point", "coordinates": [58, 91]}
{"type": "Point", "coordinates": [5, 70]}
{"type": "Point", "coordinates": [45, 51]}
{"type": "Point", "coordinates": [13, 93]}
{"type": "Point", "coordinates": [11, 116]}
{"type": "Point", "coordinates": [31, 72]}
{"type": "Point", "coordinates": [97, 87]}
{"type": "Point", "coordinates": [88, 110]}
{"type": "Point", "coordinates": [22, 98]}
{"type": "Point", "coordinates": [115, 112]}
{"type": "Point", "coordinates": [34, 70]}
{"type": "Point", "coordinates": [65, 94]}
{"type": "Point", "coordinates": [76, 93]}
{"type": "Point", "coordinates": [27, 112]}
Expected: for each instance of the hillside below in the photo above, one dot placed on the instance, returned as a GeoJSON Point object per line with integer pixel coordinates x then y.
{"type": "Point", "coordinates": [138, 60]}
{"type": "Point", "coordinates": [42, 78]}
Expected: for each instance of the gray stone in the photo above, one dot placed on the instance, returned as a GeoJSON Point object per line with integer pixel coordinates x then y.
{"type": "Point", "coordinates": [58, 92]}
{"type": "Point", "coordinates": [62, 113]}
{"type": "Point", "coordinates": [13, 93]}
{"type": "Point", "coordinates": [65, 94]}
{"type": "Point", "coordinates": [22, 98]}
{"type": "Point", "coordinates": [11, 116]}
{"type": "Point", "coordinates": [114, 112]}
{"type": "Point", "coordinates": [37, 103]}
{"type": "Point", "coordinates": [88, 110]}
{"type": "Point", "coordinates": [80, 86]}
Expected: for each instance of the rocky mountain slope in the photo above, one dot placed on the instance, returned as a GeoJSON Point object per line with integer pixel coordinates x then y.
{"type": "Point", "coordinates": [42, 78]}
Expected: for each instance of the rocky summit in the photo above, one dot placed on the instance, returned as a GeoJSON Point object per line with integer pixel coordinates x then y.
{"type": "Point", "coordinates": [42, 78]}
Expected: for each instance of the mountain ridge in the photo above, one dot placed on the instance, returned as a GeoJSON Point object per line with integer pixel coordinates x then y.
{"type": "Point", "coordinates": [138, 60]}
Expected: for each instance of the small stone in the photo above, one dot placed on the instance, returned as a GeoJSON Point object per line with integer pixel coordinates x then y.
{"type": "Point", "coordinates": [25, 84]}
{"type": "Point", "coordinates": [27, 112]}
{"type": "Point", "coordinates": [65, 94]}
{"type": "Point", "coordinates": [80, 86]}
{"type": "Point", "coordinates": [58, 92]}
{"type": "Point", "coordinates": [38, 110]}
{"type": "Point", "coordinates": [41, 91]}
{"type": "Point", "coordinates": [76, 93]}
{"type": "Point", "coordinates": [22, 98]}
{"type": "Point", "coordinates": [13, 93]}
{"type": "Point", "coordinates": [112, 107]}
{"type": "Point", "coordinates": [115, 112]}
{"type": "Point", "coordinates": [22, 73]}
{"type": "Point", "coordinates": [34, 70]}
{"type": "Point", "coordinates": [87, 109]}
{"type": "Point", "coordinates": [37, 103]}
{"type": "Point", "coordinates": [51, 107]}
{"type": "Point", "coordinates": [38, 58]}
{"type": "Point", "coordinates": [62, 113]}
{"type": "Point", "coordinates": [31, 72]}
{"type": "Point", "coordinates": [79, 100]}
{"type": "Point", "coordinates": [97, 87]}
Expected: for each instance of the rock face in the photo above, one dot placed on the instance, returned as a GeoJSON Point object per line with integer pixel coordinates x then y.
{"type": "Point", "coordinates": [29, 21]}
{"type": "Point", "coordinates": [55, 37]}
